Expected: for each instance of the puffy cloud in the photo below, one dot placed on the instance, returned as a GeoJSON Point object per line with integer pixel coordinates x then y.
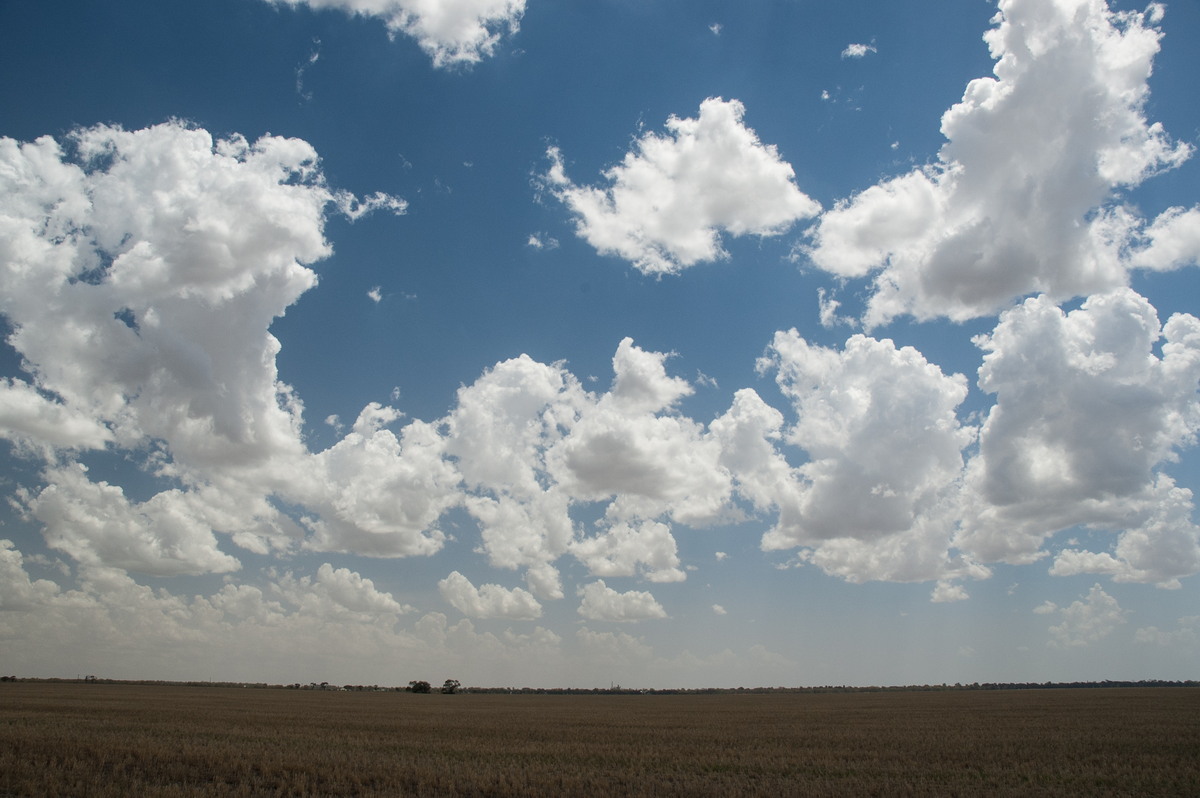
{"type": "Point", "coordinates": [613, 647]}
{"type": "Point", "coordinates": [96, 524]}
{"type": "Point", "coordinates": [503, 422]}
{"type": "Point", "coordinates": [1172, 241]}
{"type": "Point", "coordinates": [293, 628]}
{"type": "Point", "coordinates": [1021, 198]}
{"type": "Point", "coordinates": [32, 420]}
{"type": "Point", "coordinates": [1084, 414]}
{"type": "Point", "coordinates": [1086, 621]}
{"type": "Point", "coordinates": [488, 601]}
{"type": "Point", "coordinates": [877, 497]}
{"type": "Point", "coordinates": [1163, 547]}
{"type": "Point", "coordinates": [17, 590]}
{"type": "Point", "coordinates": [626, 549]}
{"type": "Point", "coordinates": [114, 261]}
{"type": "Point", "coordinates": [381, 493]}
{"type": "Point", "coordinates": [858, 50]}
{"type": "Point", "coordinates": [111, 296]}
{"type": "Point", "coordinates": [1187, 633]}
{"type": "Point", "coordinates": [338, 591]}
{"type": "Point", "coordinates": [627, 444]}
{"type": "Point", "coordinates": [672, 196]}
{"type": "Point", "coordinates": [602, 603]}
{"type": "Point", "coordinates": [452, 32]}
{"type": "Point", "coordinates": [945, 592]}
{"type": "Point", "coordinates": [499, 432]}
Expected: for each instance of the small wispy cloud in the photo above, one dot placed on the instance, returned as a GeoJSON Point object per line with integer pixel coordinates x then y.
{"type": "Point", "coordinates": [858, 50]}
{"type": "Point", "coordinates": [542, 241]}
{"type": "Point", "coordinates": [375, 295]}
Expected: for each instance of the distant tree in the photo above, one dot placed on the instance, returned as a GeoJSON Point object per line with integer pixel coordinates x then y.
{"type": "Point", "coordinates": [419, 687]}
{"type": "Point", "coordinates": [451, 686]}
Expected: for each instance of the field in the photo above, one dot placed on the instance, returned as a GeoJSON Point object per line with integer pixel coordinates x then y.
{"type": "Point", "coordinates": [119, 740]}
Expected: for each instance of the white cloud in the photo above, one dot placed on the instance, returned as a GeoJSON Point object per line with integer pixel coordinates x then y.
{"type": "Point", "coordinates": [672, 196]}
{"type": "Point", "coordinates": [613, 647]}
{"type": "Point", "coordinates": [17, 590]}
{"type": "Point", "coordinates": [96, 524]}
{"type": "Point", "coordinates": [379, 493]}
{"type": "Point", "coordinates": [877, 497]}
{"type": "Point", "coordinates": [1085, 413]}
{"type": "Point", "coordinates": [1086, 621]}
{"type": "Point", "coordinates": [1172, 241]}
{"type": "Point", "coordinates": [624, 445]}
{"type": "Point", "coordinates": [1159, 546]}
{"type": "Point", "coordinates": [1186, 633]}
{"type": "Point", "coordinates": [375, 295]}
{"type": "Point", "coordinates": [488, 601]}
{"type": "Point", "coordinates": [858, 50]}
{"type": "Point", "coordinates": [626, 549]}
{"type": "Point", "coordinates": [452, 32]}
{"type": "Point", "coordinates": [945, 592]}
{"type": "Point", "coordinates": [828, 311]}
{"type": "Point", "coordinates": [114, 261]}
{"type": "Point", "coordinates": [542, 241]}
{"type": "Point", "coordinates": [354, 208]}
{"type": "Point", "coordinates": [602, 603]}
{"type": "Point", "coordinates": [337, 591]}
{"type": "Point", "coordinates": [1021, 199]}
{"type": "Point", "coordinates": [629, 445]}
{"type": "Point", "coordinates": [35, 421]}
{"type": "Point", "coordinates": [719, 610]}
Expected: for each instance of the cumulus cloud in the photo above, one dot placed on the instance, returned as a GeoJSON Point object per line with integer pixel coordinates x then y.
{"type": "Point", "coordinates": [337, 591]}
{"type": "Point", "coordinates": [1085, 414]}
{"type": "Point", "coordinates": [452, 32]}
{"type": "Point", "coordinates": [629, 444]}
{"type": "Point", "coordinates": [17, 590]}
{"type": "Point", "coordinates": [488, 601]}
{"type": "Point", "coordinates": [342, 622]}
{"type": "Point", "coordinates": [1186, 633]}
{"type": "Point", "coordinates": [877, 497]}
{"type": "Point", "coordinates": [672, 196]}
{"type": "Point", "coordinates": [32, 420]}
{"type": "Point", "coordinates": [116, 254]}
{"type": "Point", "coordinates": [626, 549]}
{"type": "Point", "coordinates": [380, 493]}
{"type": "Point", "coordinates": [602, 603]}
{"type": "Point", "coordinates": [858, 50]}
{"type": "Point", "coordinates": [1022, 198]}
{"type": "Point", "coordinates": [1086, 621]}
{"type": "Point", "coordinates": [945, 592]}
{"type": "Point", "coordinates": [96, 524]}
{"type": "Point", "coordinates": [1160, 545]}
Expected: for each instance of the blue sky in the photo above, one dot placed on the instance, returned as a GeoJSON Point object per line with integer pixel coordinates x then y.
{"type": "Point", "coordinates": [660, 343]}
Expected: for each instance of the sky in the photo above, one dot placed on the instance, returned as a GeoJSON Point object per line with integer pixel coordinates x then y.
{"type": "Point", "coordinates": [663, 343]}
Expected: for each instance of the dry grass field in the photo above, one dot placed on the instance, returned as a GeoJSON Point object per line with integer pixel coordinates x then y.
{"type": "Point", "coordinates": [122, 740]}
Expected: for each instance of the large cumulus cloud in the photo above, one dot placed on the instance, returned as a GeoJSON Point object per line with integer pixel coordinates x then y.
{"type": "Point", "coordinates": [877, 497]}
{"type": "Point", "coordinates": [118, 251]}
{"type": "Point", "coordinates": [1021, 199]}
{"type": "Point", "coordinates": [1086, 414]}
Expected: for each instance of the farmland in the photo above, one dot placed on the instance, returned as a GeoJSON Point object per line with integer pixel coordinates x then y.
{"type": "Point", "coordinates": [115, 739]}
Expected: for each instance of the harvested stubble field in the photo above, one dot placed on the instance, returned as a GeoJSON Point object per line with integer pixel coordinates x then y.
{"type": "Point", "coordinates": [120, 740]}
